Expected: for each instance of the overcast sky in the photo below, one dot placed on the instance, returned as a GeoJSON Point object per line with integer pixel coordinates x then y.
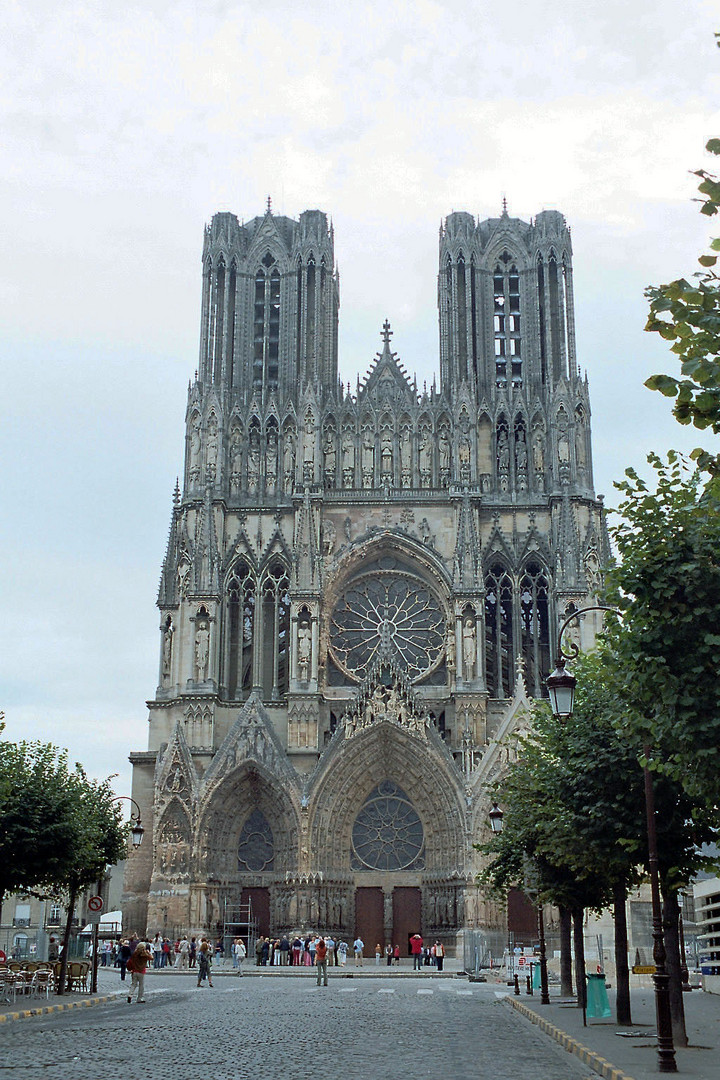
{"type": "Point", "coordinates": [124, 128]}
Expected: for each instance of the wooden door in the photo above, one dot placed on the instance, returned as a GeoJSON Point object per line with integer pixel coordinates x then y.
{"type": "Point", "coordinates": [522, 917]}
{"type": "Point", "coordinates": [407, 917]}
{"type": "Point", "coordinates": [369, 908]}
{"type": "Point", "coordinates": [260, 900]}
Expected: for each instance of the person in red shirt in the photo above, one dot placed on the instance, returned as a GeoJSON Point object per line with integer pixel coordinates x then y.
{"type": "Point", "coordinates": [321, 961]}
{"type": "Point", "coordinates": [416, 946]}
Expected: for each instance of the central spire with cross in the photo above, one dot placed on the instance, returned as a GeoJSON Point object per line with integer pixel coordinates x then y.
{"type": "Point", "coordinates": [386, 333]}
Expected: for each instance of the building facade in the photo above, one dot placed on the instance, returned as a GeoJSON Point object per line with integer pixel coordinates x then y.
{"type": "Point", "coordinates": [360, 591]}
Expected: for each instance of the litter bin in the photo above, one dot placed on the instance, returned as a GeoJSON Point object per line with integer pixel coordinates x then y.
{"type": "Point", "coordinates": [598, 1006]}
{"type": "Point", "coordinates": [536, 981]}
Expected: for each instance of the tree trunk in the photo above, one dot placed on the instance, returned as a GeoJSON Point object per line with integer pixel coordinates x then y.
{"type": "Point", "coordinates": [671, 912]}
{"type": "Point", "coordinates": [579, 942]}
{"type": "Point", "coordinates": [66, 941]}
{"type": "Point", "coordinates": [566, 979]}
{"type": "Point", "coordinates": [622, 972]}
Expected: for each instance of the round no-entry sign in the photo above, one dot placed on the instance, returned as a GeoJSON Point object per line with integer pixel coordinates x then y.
{"type": "Point", "coordinates": [95, 903]}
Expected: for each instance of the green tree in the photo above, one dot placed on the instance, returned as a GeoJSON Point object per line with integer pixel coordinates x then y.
{"type": "Point", "coordinates": [99, 839]}
{"type": "Point", "coordinates": [37, 826]}
{"type": "Point", "coordinates": [667, 585]}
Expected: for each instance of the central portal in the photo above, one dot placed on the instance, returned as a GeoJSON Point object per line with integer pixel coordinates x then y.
{"type": "Point", "coordinates": [369, 908]}
{"type": "Point", "coordinates": [407, 917]}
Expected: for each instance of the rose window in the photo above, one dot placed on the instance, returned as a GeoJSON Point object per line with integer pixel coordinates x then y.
{"type": "Point", "coordinates": [387, 834]}
{"type": "Point", "coordinates": [388, 614]}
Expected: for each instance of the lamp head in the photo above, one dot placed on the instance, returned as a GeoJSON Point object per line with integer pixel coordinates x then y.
{"type": "Point", "coordinates": [561, 687]}
{"type": "Point", "coordinates": [496, 818]}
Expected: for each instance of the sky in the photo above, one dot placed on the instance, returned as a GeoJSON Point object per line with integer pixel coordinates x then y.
{"type": "Point", "coordinates": [125, 127]}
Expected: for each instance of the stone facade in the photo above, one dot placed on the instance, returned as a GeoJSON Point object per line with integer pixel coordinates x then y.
{"type": "Point", "coordinates": [361, 591]}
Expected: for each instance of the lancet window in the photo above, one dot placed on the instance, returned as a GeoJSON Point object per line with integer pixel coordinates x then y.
{"type": "Point", "coordinates": [506, 323]}
{"type": "Point", "coordinates": [266, 324]}
{"type": "Point", "coordinates": [499, 650]}
{"type": "Point", "coordinates": [535, 624]}
{"type": "Point", "coordinates": [275, 643]}
{"type": "Point", "coordinates": [240, 630]}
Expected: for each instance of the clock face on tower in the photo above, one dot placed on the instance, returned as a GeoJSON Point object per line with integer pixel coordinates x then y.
{"type": "Point", "coordinates": [387, 611]}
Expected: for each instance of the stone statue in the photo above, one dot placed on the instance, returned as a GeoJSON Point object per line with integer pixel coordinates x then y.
{"type": "Point", "coordinates": [195, 444]}
{"type": "Point", "coordinates": [386, 455]}
{"type": "Point", "coordinates": [368, 457]}
{"type": "Point", "coordinates": [212, 448]}
{"type": "Point", "coordinates": [330, 456]}
{"type": "Point", "coordinates": [236, 458]}
{"type": "Point", "coordinates": [254, 462]}
{"type": "Point", "coordinates": [202, 650]}
{"type": "Point", "coordinates": [348, 451]}
{"type": "Point", "coordinates": [289, 458]}
{"type": "Point", "coordinates": [450, 649]}
{"type": "Point", "coordinates": [521, 454]}
{"type": "Point", "coordinates": [444, 453]}
{"type": "Point", "coordinates": [563, 448]}
{"type": "Point", "coordinates": [469, 647]}
{"type": "Point", "coordinates": [167, 650]}
{"type": "Point", "coordinates": [304, 650]}
{"type": "Point", "coordinates": [406, 457]}
{"type": "Point", "coordinates": [328, 536]}
{"type": "Point", "coordinates": [425, 457]}
{"type": "Point", "coordinates": [538, 453]}
{"type": "Point", "coordinates": [271, 462]}
{"type": "Point", "coordinates": [308, 445]}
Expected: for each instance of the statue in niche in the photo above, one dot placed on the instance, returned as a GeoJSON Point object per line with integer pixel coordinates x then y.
{"type": "Point", "coordinates": [328, 537]}
{"type": "Point", "coordinates": [469, 647]}
{"type": "Point", "coordinates": [386, 454]}
{"type": "Point", "coordinates": [521, 454]}
{"type": "Point", "coordinates": [368, 458]}
{"type": "Point", "coordinates": [503, 460]}
{"type": "Point", "coordinates": [330, 456]}
{"type": "Point", "coordinates": [348, 452]}
{"type": "Point", "coordinates": [450, 649]}
{"type": "Point", "coordinates": [425, 457]}
{"type": "Point", "coordinates": [202, 650]}
{"type": "Point", "coordinates": [563, 447]}
{"type": "Point", "coordinates": [464, 448]}
{"type": "Point", "coordinates": [308, 447]}
{"type": "Point", "coordinates": [580, 447]}
{"type": "Point", "coordinates": [425, 534]}
{"type": "Point", "coordinates": [393, 704]}
{"type": "Point", "coordinates": [254, 462]}
{"type": "Point", "coordinates": [406, 456]}
{"type": "Point", "coordinates": [304, 650]}
{"type": "Point", "coordinates": [271, 462]}
{"type": "Point", "coordinates": [378, 703]}
{"type": "Point", "coordinates": [444, 454]}
{"type": "Point", "coordinates": [289, 459]}
{"type": "Point", "coordinates": [167, 649]}
{"type": "Point", "coordinates": [538, 453]}
{"type": "Point", "coordinates": [236, 458]}
{"type": "Point", "coordinates": [592, 573]}
{"type": "Point", "coordinates": [183, 576]}
{"type": "Point", "coordinates": [195, 445]}
{"type": "Point", "coordinates": [212, 448]}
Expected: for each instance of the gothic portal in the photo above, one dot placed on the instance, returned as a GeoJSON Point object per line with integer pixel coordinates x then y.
{"type": "Point", "coordinates": [360, 591]}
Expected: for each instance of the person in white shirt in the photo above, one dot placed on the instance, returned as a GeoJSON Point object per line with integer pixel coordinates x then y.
{"type": "Point", "coordinates": [358, 946]}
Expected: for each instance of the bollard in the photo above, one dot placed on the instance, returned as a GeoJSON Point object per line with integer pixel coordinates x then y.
{"type": "Point", "coordinates": [528, 983]}
{"type": "Point", "coordinates": [517, 986]}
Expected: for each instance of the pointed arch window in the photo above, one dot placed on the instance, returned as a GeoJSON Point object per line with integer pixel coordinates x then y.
{"type": "Point", "coordinates": [499, 631]}
{"type": "Point", "coordinates": [276, 631]}
{"type": "Point", "coordinates": [240, 630]}
{"type": "Point", "coordinates": [256, 845]}
{"type": "Point", "coordinates": [266, 324]}
{"type": "Point", "coordinates": [506, 323]}
{"type": "Point", "coordinates": [535, 624]}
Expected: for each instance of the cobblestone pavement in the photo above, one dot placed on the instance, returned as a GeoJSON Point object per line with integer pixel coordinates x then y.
{"type": "Point", "coordinates": [253, 1028]}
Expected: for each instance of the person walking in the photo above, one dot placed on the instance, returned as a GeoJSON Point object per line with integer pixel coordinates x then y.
{"type": "Point", "coordinates": [240, 952]}
{"type": "Point", "coordinates": [204, 963]}
{"type": "Point", "coordinates": [137, 966]}
{"type": "Point", "coordinates": [378, 954]}
{"type": "Point", "coordinates": [321, 961]}
{"type": "Point", "coordinates": [124, 955]}
{"type": "Point", "coordinates": [358, 946]}
{"type": "Point", "coordinates": [416, 948]}
{"type": "Point", "coordinates": [388, 953]}
{"type": "Point", "coordinates": [342, 949]}
{"type": "Point", "coordinates": [439, 955]}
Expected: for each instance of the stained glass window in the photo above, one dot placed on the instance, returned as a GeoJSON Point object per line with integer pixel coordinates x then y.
{"type": "Point", "coordinates": [387, 834]}
{"type": "Point", "coordinates": [256, 847]}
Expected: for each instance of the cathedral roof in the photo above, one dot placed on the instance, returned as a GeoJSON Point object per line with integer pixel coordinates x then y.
{"type": "Point", "coordinates": [386, 372]}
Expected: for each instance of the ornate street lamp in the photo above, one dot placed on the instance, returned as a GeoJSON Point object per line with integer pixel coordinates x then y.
{"type": "Point", "coordinates": [136, 832]}
{"type": "Point", "coordinates": [561, 687]}
{"type": "Point", "coordinates": [496, 818]}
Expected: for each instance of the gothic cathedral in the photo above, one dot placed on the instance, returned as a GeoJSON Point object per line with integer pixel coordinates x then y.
{"type": "Point", "coordinates": [361, 591]}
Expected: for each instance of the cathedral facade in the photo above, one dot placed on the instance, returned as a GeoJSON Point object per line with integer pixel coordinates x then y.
{"type": "Point", "coordinates": [361, 591]}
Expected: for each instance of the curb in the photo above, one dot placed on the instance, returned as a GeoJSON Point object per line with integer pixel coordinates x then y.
{"type": "Point", "coordinates": [589, 1057]}
{"type": "Point", "coordinates": [25, 1014]}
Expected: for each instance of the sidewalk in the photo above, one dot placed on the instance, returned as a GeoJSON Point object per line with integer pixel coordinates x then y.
{"type": "Point", "coordinates": [615, 1055]}
{"type": "Point", "coordinates": [24, 1007]}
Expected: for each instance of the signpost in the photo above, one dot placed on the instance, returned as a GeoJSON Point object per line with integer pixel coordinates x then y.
{"type": "Point", "coordinates": [95, 906]}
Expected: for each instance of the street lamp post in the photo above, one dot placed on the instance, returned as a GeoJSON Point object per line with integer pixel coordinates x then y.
{"type": "Point", "coordinates": [561, 686]}
{"type": "Point", "coordinates": [136, 832]}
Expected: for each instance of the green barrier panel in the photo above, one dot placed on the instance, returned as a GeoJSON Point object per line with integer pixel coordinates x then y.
{"type": "Point", "coordinates": [536, 985]}
{"type": "Point", "coordinates": [598, 1006]}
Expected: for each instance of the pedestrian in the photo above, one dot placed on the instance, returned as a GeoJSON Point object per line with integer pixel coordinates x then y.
{"type": "Point", "coordinates": [157, 948]}
{"type": "Point", "coordinates": [124, 955]}
{"type": "Point", "coordinates": [378, 954]}
{"type": "Point", "coordinates": [342, 950]}
{"type": "Point", "coordinates": [239, 954]}
{"type": "Point", "coordinates": [396, 956]}
{"type": "Point", "coordinates": [358, 946]}
{"type": "Point", "coordinates": [416, 948]}
{"type": "Point", "coordinates": [332, 958]}
{"type": "Point", "coordinates": [258, 951]}
{"type": "Point", "coordinates": [321, 961]}
{"type": "Point", "coordinates": [389, 953]}
{"type": "Point", "coordinates": [193, 952]}
{"type": "Point", "coordinates": [439, 955]}
{"type": "Point", "coordinates": [137, 966]}
{"type": "Point", "coordinates": [204, 963]}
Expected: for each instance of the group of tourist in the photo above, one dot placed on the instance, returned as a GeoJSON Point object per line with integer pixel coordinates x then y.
{"type": "Point", "coordinates": [301, 951]}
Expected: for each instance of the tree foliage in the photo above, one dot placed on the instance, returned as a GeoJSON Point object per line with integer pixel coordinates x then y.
{"type": "Point", "coordinates": [667, 584]}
